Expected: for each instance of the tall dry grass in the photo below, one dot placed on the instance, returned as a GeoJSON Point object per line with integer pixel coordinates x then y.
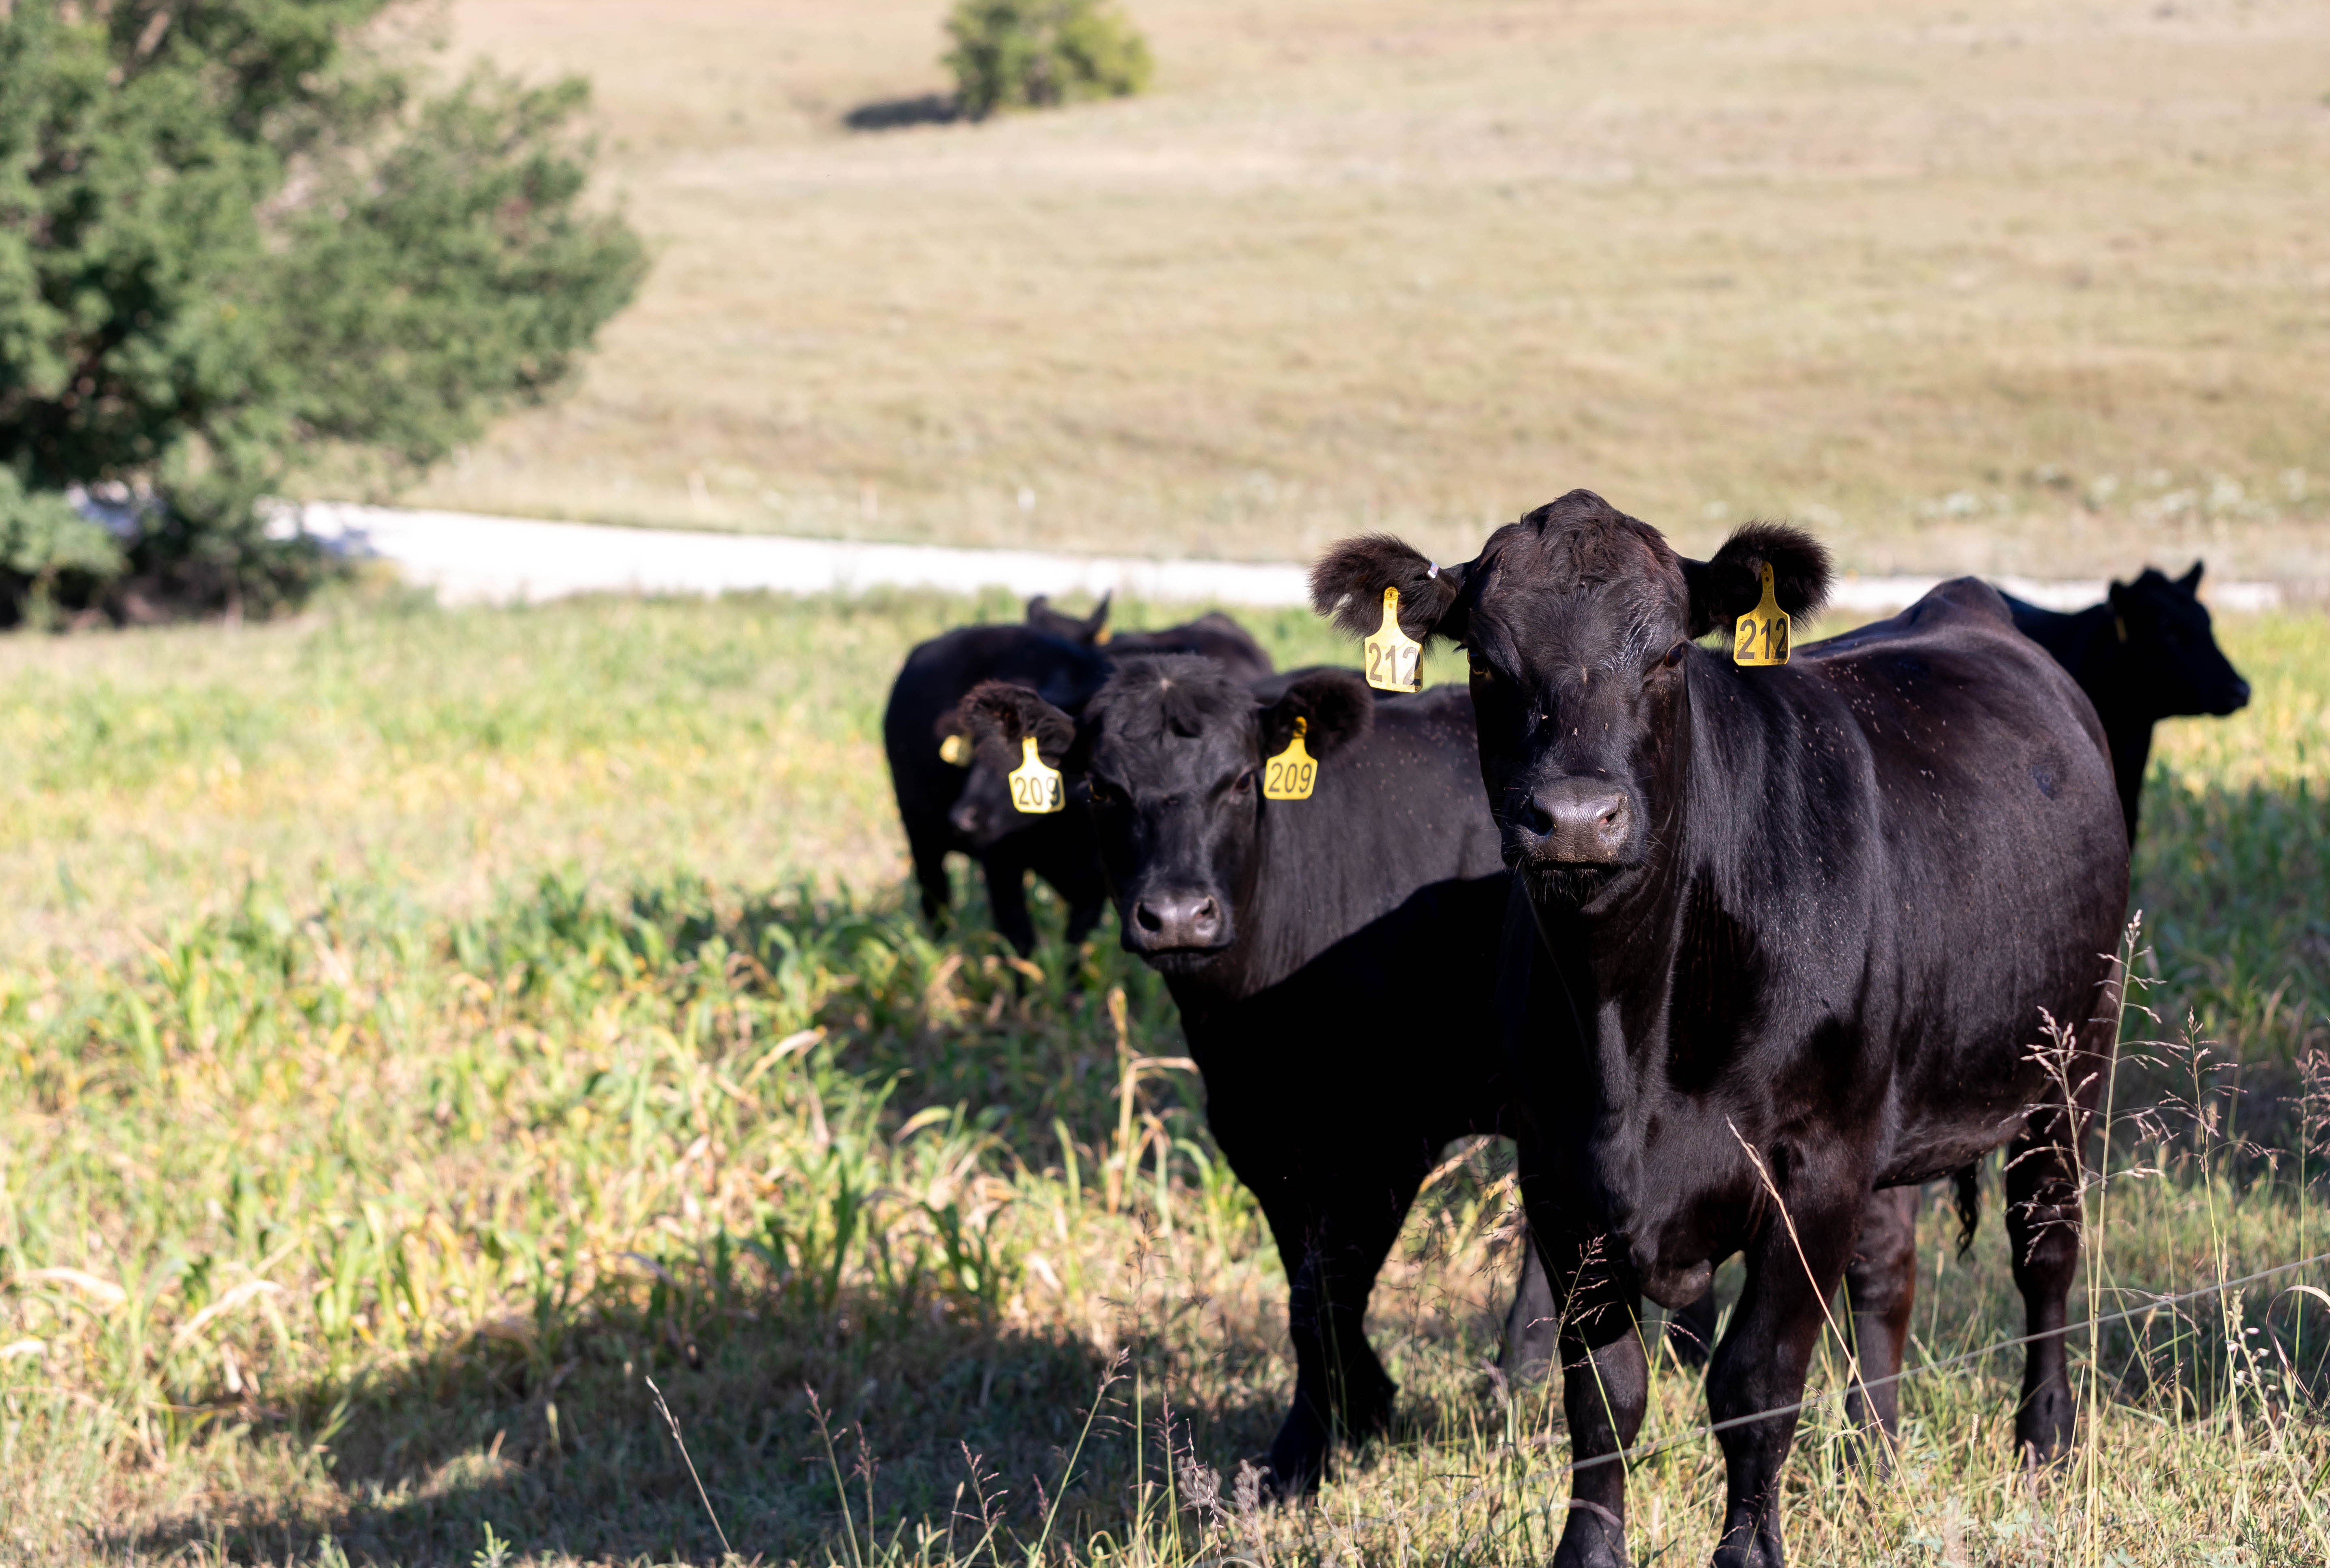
{"type": "Point", "coordinates": [347, 1206]}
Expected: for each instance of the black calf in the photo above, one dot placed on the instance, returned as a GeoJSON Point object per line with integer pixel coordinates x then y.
{"type": "Point", "coordinates": [2144, 654]}
{"type": "Point", "coordinates": [1332, 958]}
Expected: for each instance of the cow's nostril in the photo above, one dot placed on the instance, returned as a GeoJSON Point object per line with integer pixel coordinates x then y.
{"type": "Point", "coordinates": [1148, 919]}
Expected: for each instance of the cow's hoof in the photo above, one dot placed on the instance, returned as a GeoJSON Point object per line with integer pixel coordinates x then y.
{"type": "Point", "coordinates": [1751, 1543]}
{"type": "Point", "coordinates": [1290, 1485]}
{"type": "Point", "coordinates": [1298, 1465]}
{"type": "Point", "coordinates": [2043, 1429]}
{"type": "Point", "coordinates": [1594, 1538]}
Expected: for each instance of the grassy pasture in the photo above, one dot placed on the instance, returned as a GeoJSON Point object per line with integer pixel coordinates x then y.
{"type": "Point", "coordinates": [2002, 285]}
{"type": "Point", "coordinates": [418, 1029]}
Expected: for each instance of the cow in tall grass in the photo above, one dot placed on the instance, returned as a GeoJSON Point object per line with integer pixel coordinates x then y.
{"type": "Point", "coordinates": [1332, 958]}
{"type": "Point", "coordinates": [1786, 937]}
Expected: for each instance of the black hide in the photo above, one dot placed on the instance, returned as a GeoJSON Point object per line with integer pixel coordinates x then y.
{"type": "Point", "coordinates": [1779, 937]}
{"type": "Point", "coordinates": [1332, 959]}
{"type": "Point", "coordinates": [2144, 654]}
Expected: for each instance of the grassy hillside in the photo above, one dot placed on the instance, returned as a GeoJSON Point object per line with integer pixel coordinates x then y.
{"type": "Point", "coordinates": [421, 1029]}
{"type": "Point", "coordinates": [2014, 285]}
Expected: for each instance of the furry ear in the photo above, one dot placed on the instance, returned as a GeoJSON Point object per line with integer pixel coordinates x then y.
{"type": "Point", "coordinates": [998, 716]}
{"type": "Point", "coordinates": [1069, 627]}
{"type": "Point", "coordinates": [1346, 587]}
{"type": "Point", "coordinates": [2191, 581]}
{"type": "Point", "coordinates": [1731, 582]}
{"type": "Point", "coordinates": [1336, 705]}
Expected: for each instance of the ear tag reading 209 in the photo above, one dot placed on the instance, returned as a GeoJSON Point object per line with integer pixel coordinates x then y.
{"type": "Point", "coordinates": [1292, 774]}
{"type": "Point", "coordinates": [955, 751]}
{"type": "Point", "coordinates": [1761, 637]}
{"type": "Point", "coordinates": [1035, 784]}
{"type": "Point", "coordinates": [1392, 654]}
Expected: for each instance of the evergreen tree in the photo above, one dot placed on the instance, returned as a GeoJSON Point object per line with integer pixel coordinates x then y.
{"type": "Point", "coordinates": [235, 234]}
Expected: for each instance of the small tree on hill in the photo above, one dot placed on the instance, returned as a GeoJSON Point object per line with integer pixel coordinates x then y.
{"type": "Point", "coordinates": [233, 235]}
{"type": "Point", "coordinates": [1033, 53]}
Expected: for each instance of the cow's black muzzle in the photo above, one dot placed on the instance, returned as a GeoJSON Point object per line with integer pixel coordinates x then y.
{"type": "Point", "coordinates": [1165, 921]}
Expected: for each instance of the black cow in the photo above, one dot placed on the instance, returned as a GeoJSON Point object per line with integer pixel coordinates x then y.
{"type": "Point", "coordinates": [2144, 654]}
{"type": "Point", "coordinates": [1780, 937]}
{"type": "Point", "coordinates": [1057, 655]}
{"type": "Point", "coordinates": [1332, 959]}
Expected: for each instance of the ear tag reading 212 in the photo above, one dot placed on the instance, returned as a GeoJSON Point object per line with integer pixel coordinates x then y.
{"type": "Point", "coordinates": [1035, 785]}
{"type": "Point", "coordinates": [1761, 636]}
{"type": "Point", "coordinates": [1293, 773]}
{"type": "Point", "coordinates": [1392, 654]}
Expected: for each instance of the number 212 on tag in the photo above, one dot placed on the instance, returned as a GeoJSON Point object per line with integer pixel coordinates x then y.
{"type": "Point", "coordinates": [1761, 635]}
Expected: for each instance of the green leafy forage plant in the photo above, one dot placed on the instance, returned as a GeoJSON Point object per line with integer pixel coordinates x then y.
{"type": "Point", "coordinates": [1036, 53]}
{"type": "Point", "coordinates": [234, 235]}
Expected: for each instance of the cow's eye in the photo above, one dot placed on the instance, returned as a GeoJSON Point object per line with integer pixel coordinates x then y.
{"type": "Point", "coordinates": [1674, 656]}
{"type": "Point", "coordinates": [1482, 672]}
{"type": "Point", "coordinates": [1244, 784]}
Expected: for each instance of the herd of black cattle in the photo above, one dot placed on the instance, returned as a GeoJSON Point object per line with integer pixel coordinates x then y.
{"type": "Point", "coordinates": [1738, 955]}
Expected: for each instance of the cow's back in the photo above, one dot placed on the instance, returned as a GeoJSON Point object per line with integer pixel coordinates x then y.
{"type": "Point", "coordinates": [1918, 758]}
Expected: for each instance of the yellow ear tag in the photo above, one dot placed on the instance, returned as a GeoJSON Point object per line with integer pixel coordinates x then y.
{"type": "Point", "coordinates": [1101, 637]}
{"type": "Point", "coordinates": [955, 751]}
{"type": "Point", "coordinates": [1035, 785]}
{"type": "Point", "coordinates": [1761, 636]}
{"type": "Point", "coordinates": [1392, 654]}
{"type": "Point", "coordinates": [1292, 773]}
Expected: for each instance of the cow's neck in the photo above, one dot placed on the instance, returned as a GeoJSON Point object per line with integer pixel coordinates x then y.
{"type": "Point", "coordinates": [2125, 707]}
{"type": "Point", "coordinates": [1613, 951]}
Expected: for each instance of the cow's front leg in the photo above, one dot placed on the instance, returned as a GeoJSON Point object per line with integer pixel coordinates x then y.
{"type": "Point", "coordinates": [1344, 1227]}
{"type": "Point", "coordinates": [1007, 899]}
{"type": "Point", "coordinates": [1760, 1363]}
{"type": "Point", "coordinates": [1530, 1322]}
{"type": "Point", "coordinates": [1881, 1285]}
{"type": "Point", "coordinates": [1606, 1380]}
{"type": "Point", "coordinates": [2042, 1231]}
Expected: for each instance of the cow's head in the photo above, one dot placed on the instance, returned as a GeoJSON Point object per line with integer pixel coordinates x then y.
{"type": "Point", "coordinates": [2171, 656]}
{"type": "Point", "coordinates": [1065, 678]}
{"type": "Point", "coordinates": [1167, 760]}
{"type": "Point", "coordinates": [1579, 622]}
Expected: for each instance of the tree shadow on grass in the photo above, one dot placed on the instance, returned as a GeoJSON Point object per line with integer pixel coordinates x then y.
{"type": "Point", "coordinates": [898, 113]}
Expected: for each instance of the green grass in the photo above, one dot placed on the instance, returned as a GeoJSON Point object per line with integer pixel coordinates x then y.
{"type": "Point", "coordinates": [397, 1124]}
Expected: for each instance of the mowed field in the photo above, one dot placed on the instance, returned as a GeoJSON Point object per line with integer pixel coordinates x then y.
{"type": "Point", "coordinates": [2005, 285]}
{"type": "Point", "coordinates": [429, 1038]}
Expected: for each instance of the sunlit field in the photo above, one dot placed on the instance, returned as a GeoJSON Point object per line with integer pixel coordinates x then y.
{"type": "Point", "coordinates": [428, 1038]}
{"type": "Point", "coordinates": [2002, 285]}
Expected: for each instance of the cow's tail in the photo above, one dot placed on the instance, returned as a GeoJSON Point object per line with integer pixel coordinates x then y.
{"type": "Point", "coordinates": [1966, 1184]}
